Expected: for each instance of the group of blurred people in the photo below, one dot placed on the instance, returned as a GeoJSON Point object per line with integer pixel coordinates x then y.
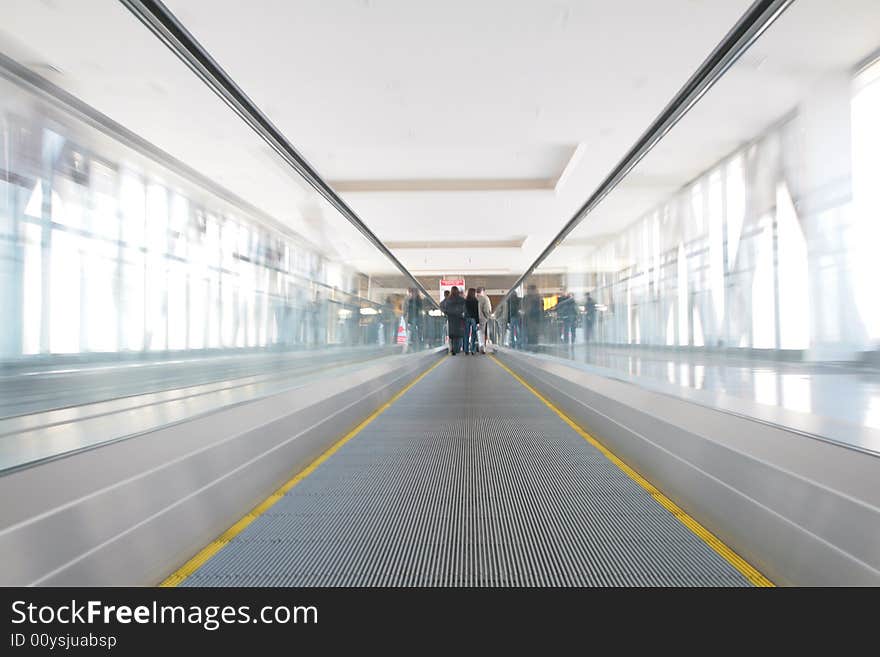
{"type": "Point", "coordinates": [526, 319]}
{"type": "Point", "coordinates": [468, 319]}
{"type": "Point", "coordinates": [522, 321]}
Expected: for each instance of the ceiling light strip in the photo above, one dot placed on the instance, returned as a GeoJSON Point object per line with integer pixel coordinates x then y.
{"type": "Point", "coordinates": [747, 30]}
{"type": "Point", "coordinates": [159, 19]}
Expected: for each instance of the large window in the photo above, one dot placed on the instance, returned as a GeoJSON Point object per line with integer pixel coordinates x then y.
{"type": "Point", "coordinates": [103, 255]}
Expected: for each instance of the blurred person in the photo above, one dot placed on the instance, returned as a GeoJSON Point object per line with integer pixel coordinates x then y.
{"type": "Point", "coordinates": [501, 331]}
{"type": "Point", "coordinates": [454, 307]}
{"type": "Point", "coordinates": [413, 311]}
{"type": "Point", "coordinates": [567, 312]}
{"type": "Point", "coordinates": [515, 320]}
{"type": "Point", "coordinates": [443, 308]}
{"type": "Point", "coordinates": [533, 314]}
{"type": "Point", "coordinates": [471, 322]}
{"type": "Point", "coordinates": [485, 306]}
{"type": "Point", "coordinates": [445, 298]}
{"type": "Point", "coordinates": [589, 317]}
{"type": "Point", "coordinates": [389, 323]}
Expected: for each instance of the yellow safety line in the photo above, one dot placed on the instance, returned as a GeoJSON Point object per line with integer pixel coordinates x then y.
{"type": "Point", "coordinates": [218, 543]}
{"type": "Point", "coordinates": [749, 571]}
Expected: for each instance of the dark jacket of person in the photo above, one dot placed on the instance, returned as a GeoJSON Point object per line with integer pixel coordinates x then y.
{"type": "Point", "coordinates": [455, 311]}
{"type": "Point", "coordinates": [472, 308]}
{"type": "Point", "coordinates": [565, 308]}
{"type": "Point", "coordinates": [413, 308]}
{"type": "Point", "coordinates": [532, 306]}
{"type": "Point", "coordinates": [590, 308]}
{"type": "Point", "coordinates": [513, 306]}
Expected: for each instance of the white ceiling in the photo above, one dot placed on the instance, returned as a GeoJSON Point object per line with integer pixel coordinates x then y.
{"type": "Point", "coordinates": [461, 92]}
{"type": "Point", "coordinates": [471, 121]}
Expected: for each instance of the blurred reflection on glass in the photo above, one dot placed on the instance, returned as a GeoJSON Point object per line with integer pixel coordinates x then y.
{"type": "Point", "coordinates": [746, 239]}
{"type": "Point", "coordinates": [124, 274]}
{"type": "Point", "coordinates": [104, 254]}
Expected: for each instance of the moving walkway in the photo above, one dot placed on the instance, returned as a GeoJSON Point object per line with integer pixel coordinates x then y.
{"type": "Point", "coordinates": [467, 478]}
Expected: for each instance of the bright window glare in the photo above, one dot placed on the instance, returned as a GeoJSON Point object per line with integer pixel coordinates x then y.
{"type": "Point", "coordinates": [100, 302]}
{"type": "Point", "coordinates": [716, 246]}
{"type": "Point", "coordinates": [763, 289]}
{"type": "Point", "coordinates": [794, 305]}
{"type": "Point", "coordinates": [866, 198]}
{"type": "Point", "coordinates": [64, 293]}
{"type": "Point", "coordinates": [32, 288]}
{"type": "Point", "coordinates": [736, 207]}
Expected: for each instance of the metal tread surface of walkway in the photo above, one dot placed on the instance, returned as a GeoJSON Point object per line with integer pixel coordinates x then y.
{"type": "Point", "coordinates": [467, 480]}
